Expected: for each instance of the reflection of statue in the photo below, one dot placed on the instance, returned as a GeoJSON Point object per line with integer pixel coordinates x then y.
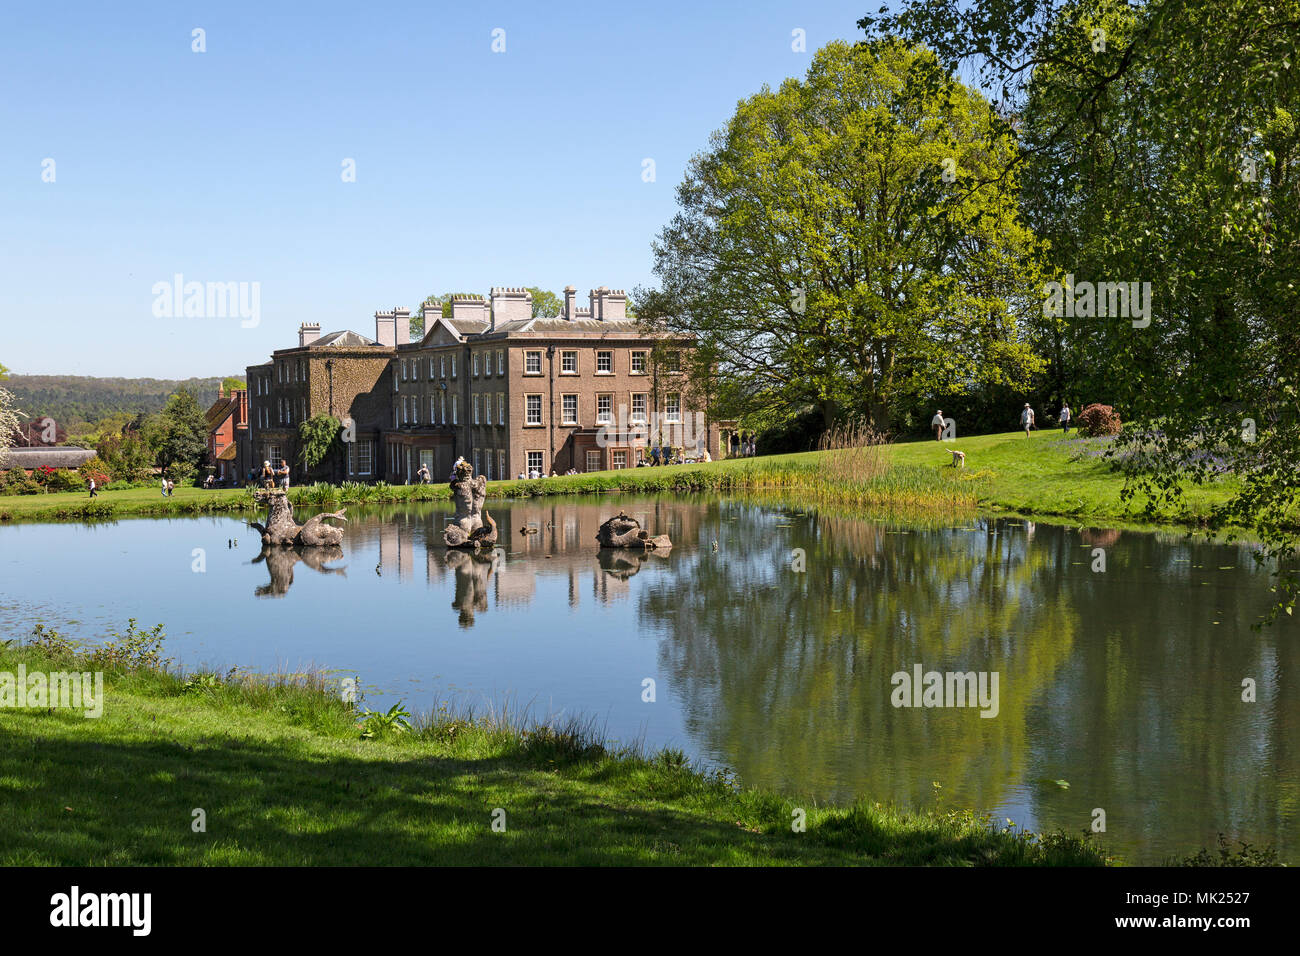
{"type": "Point", "coordinates": [472, 573]}
{"type": "Point", "coordinates": [281, 529]}
{"type": "Point", "coordinates": [280, 562]}
{"type": "Point", "coordinates": [467, 528]}
{"type": "Point", "coordinates": [620, 564]}
{"type": "Point", "coordinates": [621, 531]}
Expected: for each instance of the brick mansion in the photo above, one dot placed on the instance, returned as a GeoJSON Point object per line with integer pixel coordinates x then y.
{"type": "Point", "coordinates": [512, 393]}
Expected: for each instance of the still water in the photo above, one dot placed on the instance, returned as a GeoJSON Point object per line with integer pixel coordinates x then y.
{"type": "Point", "coordinates": [771, 635]}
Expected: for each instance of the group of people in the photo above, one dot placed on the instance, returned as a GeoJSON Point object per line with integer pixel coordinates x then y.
{"type": "Point", "coordinates": [270, 476]}
{"type": "Point", "coordinates": [1028, 423]}
{"type": "Point", "coordinates": [743, 446]}
{"type": "Point", "coordinates": [1028, 420]}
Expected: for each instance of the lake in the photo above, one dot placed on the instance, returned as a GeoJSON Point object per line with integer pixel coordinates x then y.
{"type": "Point", "coordinates": [772, 636]}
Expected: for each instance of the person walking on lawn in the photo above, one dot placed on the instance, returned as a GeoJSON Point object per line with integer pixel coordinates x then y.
{"type": "Point", "coordinates": [937, 423]}
{"type": "Point", "coordinates": [1027, 419]}
{"type": "Point", "coordinates": [1065, 417]}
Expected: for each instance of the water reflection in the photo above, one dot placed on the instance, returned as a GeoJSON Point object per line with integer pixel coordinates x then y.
{"type": "Point", "coordinates": [1124, 682]}
{"type": "Point", "coordinates": [280, 561]}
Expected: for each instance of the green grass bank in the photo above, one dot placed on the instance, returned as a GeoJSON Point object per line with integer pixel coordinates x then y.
{"type": "Point", "coordinates": [283, 777]}
{"type": "Point", "coordinates": [1043, 476]}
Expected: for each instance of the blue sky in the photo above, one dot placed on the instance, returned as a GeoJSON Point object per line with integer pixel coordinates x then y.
{"type": "Point", "coordinates": [473, 168]}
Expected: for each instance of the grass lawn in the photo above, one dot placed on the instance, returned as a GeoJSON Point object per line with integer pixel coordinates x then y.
{"type": "Point", "coordinates": [1041, 476]}
{"type": "Point", "coordinates": [284, 778]}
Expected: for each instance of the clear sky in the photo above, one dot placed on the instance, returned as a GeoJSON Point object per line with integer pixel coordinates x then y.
{"type": "Point", "coordinates": [473, 168]}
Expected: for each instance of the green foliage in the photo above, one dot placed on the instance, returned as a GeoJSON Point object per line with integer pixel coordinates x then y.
{"type": "Point", "coordinates": [832, 249]}
{"type": "Point", "coordinates": [373, 724]}
{"type": "Point", "coordinates": [15, 482]}
{"type": "Point", "coordinates": [318, 438]}
{"type": "Point", "coordinates": [125, 456]}
{"type": "Point", "coordinates": [180, 436]}
{"type": "Point", "coordinates": [131, 650]}
{"type": "Point", "coordinates": [1139, 163]}
{"type": "Point", "coordinates": [545, 303]}
{"type": "Point", "coordinates": [70, 399]}
{"type": "Point", "coordinates": [1244, 855]}
{"type": "Point", "coordinates": [204, 681]}
{"type": "Point", "coordinates": [233, 383]}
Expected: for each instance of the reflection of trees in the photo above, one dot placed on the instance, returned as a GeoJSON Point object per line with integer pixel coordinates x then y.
{"type": "Point", "coordinates": [785, 675]}
{"type": "Point", "coordinates": [280, 562]}
{"type": "Point", "coordinates": [1151, 704]}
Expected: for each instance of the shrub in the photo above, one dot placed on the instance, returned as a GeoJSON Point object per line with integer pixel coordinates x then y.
{"type": "Point", "coordinates": [1096, 420]}
{"type": "Point", "coordinates": [64, 479]}
{"type": "Point", "coordinates": [16, 482]}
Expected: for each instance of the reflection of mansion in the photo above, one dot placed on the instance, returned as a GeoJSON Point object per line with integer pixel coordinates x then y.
{"type": "Point", "coordinates": [511, 393]}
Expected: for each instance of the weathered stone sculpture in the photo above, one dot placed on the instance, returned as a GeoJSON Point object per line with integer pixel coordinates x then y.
{"type": "Point", "coordinates": [622, 531]}
{"type": "Point", "coordinates": [281, 529]}
{"type": "Point", "coordinates": [470, 526]}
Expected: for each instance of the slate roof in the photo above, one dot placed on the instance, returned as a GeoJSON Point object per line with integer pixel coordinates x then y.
{"type": "Point", "coordinates": [221, 409]}
{"type": "Point", "coordinates": [342, 340]}
{"type": "Point", "coordinates": [63, 456]}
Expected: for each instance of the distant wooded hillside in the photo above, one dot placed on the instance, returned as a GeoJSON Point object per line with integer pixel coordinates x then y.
{"type": "Point", "coordinates": [74, 399]}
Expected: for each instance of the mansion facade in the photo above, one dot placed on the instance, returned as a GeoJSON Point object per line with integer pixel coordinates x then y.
{"type": "Point", "coordinates": [513, 394]}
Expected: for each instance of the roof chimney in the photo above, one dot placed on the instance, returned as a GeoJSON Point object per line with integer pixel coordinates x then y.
{"type": "Point", "coordinates": [511, 305]}
{"type": "Point", "coordinates": [613, 304]}
{"type": "Point", "coordinates": [402, 326]}
{"type": "Point", "coordinates": [308, 333]}
{"type": "Point", "coordinates": [386, 328]}
{"type": "Point", "coordinates": [469, 308]}
{"type": "Point", "coordinates": [570, 302]}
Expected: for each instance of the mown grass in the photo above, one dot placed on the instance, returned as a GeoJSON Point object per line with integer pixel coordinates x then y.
{"type": "Point", "coordinates": [1044, 476]}
{"type": "Point", "coordinates": [283, 777]}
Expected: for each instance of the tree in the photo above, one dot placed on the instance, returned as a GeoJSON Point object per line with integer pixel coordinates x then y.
{"type": "Point", "coordinates": [181, 435]}
{"type": "Point", "coordinates": [10, 420]}
{"type": "Point", "coordinates": [545, 304]}
{"type": "Point", "coordinates": [126, 455]}
{"type": "Point", "coordinates": [442, 303]}
{"type": "Point", "coordinates": [1142, 162]}
{"type": "Point", "coordinates": [829, 250]}
{"type": "Point", "coordinates": [234, 384]}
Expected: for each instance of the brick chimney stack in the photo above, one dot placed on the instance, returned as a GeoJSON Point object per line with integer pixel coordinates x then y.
{"type": "Point", "coordinates": [613, 304]}
{"type": "Point", "coordinates": [466, 308]}
{"type": "Point", "coordinates": [511, 305]}
{"type": "Point", "coordinates": [308, 333]}
{"type": "Point", "coordinates": [570, 302]}
{"type": "Point", "coordinates": [385, 329]}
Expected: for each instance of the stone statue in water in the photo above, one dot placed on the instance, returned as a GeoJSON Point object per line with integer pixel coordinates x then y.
{"type": "Point", "coordinates": [281, 529]}
{"type": "Point", "coordinates": [622, 531]}
{"type": "Point", "coordinates": [470, 526]}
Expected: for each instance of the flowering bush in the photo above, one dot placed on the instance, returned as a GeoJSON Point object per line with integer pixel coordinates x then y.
{"type": "Point", "coordinates": [1096, 420]}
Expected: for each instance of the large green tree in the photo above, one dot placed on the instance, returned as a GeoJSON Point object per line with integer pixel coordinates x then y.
{"type": "Point", "coordinates": [830, 247]}
{"type": "Point", "coordinates": [179, 435]}
{"type": "Point", "coordinates": [1160, 142]}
